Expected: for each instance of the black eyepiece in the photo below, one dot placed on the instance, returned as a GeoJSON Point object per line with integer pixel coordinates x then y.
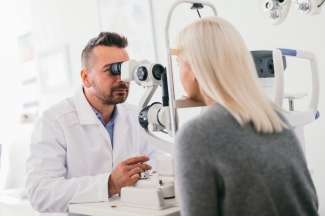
{"type": "Point", "coordinates": [116, 68]}
{"type": "Point", "coordinates": [157, 70]}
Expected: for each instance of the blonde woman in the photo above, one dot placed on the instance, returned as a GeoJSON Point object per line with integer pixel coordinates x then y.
{"type": "Point", "coordinates": [239, 157]}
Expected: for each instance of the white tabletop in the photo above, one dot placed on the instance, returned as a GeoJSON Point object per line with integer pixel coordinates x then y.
{"type": "Point", "coordinates": [113, 207]}
{"type": "Point", "coordinates": [15, 207]}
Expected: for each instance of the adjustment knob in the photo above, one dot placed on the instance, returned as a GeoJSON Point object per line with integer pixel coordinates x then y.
{"type": "Point", "coordinates": [304, 6]}
{"type": "Point", "coordinates": [269, 5]}
{"type": "Point", "coordinates": [142, 73]}
{"type": "Point", "coordinates": [152, 127]}
{"type": "Point", "coordinates": [273, 14]}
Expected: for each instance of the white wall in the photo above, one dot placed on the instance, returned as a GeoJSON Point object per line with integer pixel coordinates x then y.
{"type": "Point", "coordinates": [63, 23]}
{"type": "Point", "coordinates": [13, 24]}
{"type": "Point", "coordinates": [298, 32]}
{"type": "Point", "coordinates": [71, 24]}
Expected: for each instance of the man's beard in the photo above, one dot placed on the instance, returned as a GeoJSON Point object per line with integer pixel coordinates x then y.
{"type": "Point", "coordinates": [110, 99]}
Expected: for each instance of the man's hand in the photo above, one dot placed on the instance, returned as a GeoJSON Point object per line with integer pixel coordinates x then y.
{"type": "Point", "coordinates": [127, 173]}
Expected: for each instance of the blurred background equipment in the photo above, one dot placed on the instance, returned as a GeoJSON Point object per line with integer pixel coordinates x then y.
{"type": "Point", "coordinates": [276, 11]}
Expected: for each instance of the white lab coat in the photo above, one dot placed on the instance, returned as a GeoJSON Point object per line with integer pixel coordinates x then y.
{"type": "Point", "coordinates": [72, 156]}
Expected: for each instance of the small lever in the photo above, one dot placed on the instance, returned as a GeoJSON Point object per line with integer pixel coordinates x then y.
{"type": "Point", "coordinates": [197, 6]}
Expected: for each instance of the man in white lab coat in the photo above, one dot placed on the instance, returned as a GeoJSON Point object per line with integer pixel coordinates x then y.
{"type": "Point", "coordinates": [80, 147]}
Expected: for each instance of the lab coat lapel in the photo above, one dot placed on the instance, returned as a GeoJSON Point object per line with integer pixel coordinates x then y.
{"type": "Point", "coordinates": [120, 131]}
{"type": "Point", "coordinates": [85, 112]}
{"type": "Point", "coordinates": [87, 115]}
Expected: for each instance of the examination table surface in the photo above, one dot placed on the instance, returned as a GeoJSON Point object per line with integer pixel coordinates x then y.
{"type": "Point", "coordinates": [114, 207]}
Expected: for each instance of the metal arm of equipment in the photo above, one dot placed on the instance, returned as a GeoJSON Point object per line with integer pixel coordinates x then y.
{"type": "Point", "coordinates": [152, 116]}
{"type": "Point", "coordinates": [303, 117]}
{"type": "Point", "coordinates": [297, 119]}
{"type": "Point", "coordinates": [169, 70]}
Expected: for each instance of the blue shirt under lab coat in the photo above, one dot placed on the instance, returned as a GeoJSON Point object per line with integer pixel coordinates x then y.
{"type": "Point", "coordinates": [110, 125]}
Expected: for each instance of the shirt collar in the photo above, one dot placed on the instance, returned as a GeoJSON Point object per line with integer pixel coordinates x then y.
{"type": "Point", "coordinates": [111, 121]}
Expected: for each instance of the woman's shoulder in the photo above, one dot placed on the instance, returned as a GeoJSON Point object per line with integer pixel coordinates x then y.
{"type": "Point", "coordinates": [214, 116]}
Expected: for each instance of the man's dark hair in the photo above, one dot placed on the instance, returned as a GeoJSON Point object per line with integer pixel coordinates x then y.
{"type": "Point", "coordinates": [110, 39]}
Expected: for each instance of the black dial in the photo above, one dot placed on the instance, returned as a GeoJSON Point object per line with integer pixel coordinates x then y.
{"type": "Point", "coordinates": [142, 73]}
{"type": "Point", "coordinates": [270, 66]}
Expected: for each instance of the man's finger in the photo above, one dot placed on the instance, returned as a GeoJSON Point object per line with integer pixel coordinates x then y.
{"type": "Point", "coordinates": [142, 166]}
{"type": "Point", "coordinates": [134, 178]}
{"type": "Point", "coordinates": [136, 170]}
{"type": "Point", "coordinates": [135, 160]}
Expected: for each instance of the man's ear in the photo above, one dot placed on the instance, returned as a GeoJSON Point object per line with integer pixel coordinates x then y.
{"type": "Point", "coordinates": [85, 78]}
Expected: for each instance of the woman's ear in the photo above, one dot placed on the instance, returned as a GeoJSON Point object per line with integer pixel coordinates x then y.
{"type": "Point", "coordinates": [193, 77]}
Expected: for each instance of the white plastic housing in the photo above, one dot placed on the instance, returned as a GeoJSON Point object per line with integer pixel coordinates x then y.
{"type": "Point", "coordinates": [152, 117]}
{"type": "Point", "coordinates": [150, 198]}
{"type": "Point", "coordinates": [127, 70]}
{"type": "Point", "coordinates": [151, 80]}
{"type": "Point", "coordinates": [274, 11]}
{"type": "Point", "coordinates": [301, 118]}
{"type": "Point", "coordinates": [165, 166]}
{"type": "Point", "coordinates": [168, 190]}
{"type": "Point", "coordinates": [164, 118]}
{"type": "Point", "coordinates": [313, 7]}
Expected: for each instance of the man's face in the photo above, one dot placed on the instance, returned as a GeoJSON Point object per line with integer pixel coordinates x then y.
{"type": "Point", "coordinates": [108, 88]}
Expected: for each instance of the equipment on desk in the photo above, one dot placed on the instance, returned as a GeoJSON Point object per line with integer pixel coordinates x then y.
{"type": "Point", "coordinates": [276, 11]}
{"type": "Point", "coordinates": [157, 117]}
{"type": "Point", "coordinates": [270, 66]}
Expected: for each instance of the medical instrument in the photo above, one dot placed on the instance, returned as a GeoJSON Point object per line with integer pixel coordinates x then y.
{"type": "Point", "coordinates": [276, 11]}
{"type": "Point", "coordinates": [270, 66]}
{"type": "Point", "coordinates": [145, 174]}
{"type": "Point", "coordinates": [154, 117]}
{"type": "Point", "coordinates": [312, 7]}
{"type": "Point", "coordinates": [138, 71]}
{"type": "Point", "coordinates": [156, 192]}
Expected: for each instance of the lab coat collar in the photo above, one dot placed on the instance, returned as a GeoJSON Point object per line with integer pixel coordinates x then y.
{"type": "Point", "coordinates": [84, 110]}
{"type": "Point", "coordinates": [87, 116]}
{"type": "Point", "coordinates": [86, 113]}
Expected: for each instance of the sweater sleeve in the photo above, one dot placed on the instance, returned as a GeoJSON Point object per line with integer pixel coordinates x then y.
{"type": "Point", "coordinates": [196, 186]}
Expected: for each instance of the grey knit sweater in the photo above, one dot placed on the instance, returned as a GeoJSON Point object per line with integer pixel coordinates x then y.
{"type": "Point", "coordinates": [224, 169]}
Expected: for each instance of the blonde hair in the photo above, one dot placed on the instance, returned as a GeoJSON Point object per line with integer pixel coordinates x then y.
{"type": "Point", "coordinates": [226, 73]}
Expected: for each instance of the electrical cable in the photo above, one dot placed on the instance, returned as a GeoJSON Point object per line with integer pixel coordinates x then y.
{"type": "Point", "coordinates": [320, 4]}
